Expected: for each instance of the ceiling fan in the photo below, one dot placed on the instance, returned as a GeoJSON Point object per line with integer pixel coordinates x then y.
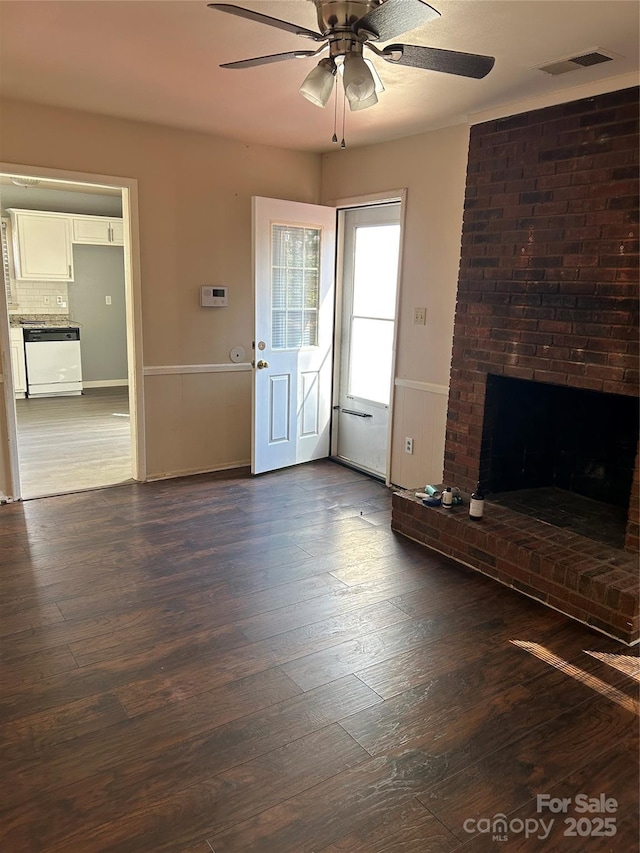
{"type": "Point", "coordinates": [346, 28]}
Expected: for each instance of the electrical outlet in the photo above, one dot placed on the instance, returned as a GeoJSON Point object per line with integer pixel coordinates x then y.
{"type": "Point", "coordinates": [419, 316]}
{"type": "Point", "coordinates": [107, 300]}
{"type": "Point", "coordinates": [59, 300]}
{"type": "Point", "coordinates": [408, 445]}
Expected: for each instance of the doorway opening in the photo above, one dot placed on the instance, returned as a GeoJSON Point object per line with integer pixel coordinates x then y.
{"type": "Point", "coordinates": [367, 278]}
{"type": "Point", "coordinates": [67, 293]}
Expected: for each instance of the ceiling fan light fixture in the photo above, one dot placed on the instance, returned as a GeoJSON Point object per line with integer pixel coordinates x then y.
{"type": "Point", "coordinates": [364, 104]}
{"type": "Point", "coordinates": [318, 84]}
{"type": "Point", "coordinates": [359, 84]}
{"type": "Point", "coordinates": [379, 85]}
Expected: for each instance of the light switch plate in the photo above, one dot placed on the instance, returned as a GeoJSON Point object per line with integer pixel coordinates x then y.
{"type": "Point", "coordinates": [419, 316]}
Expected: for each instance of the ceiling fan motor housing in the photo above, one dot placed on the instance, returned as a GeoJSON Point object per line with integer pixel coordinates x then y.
{"type": "Point", "coordinates": [336, 19]}
{"type": "Point", "coordinates": [336, 15]}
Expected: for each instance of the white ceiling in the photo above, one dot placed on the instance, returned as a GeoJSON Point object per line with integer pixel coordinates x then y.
{"type": "Point", "coordinates": [157, 61]}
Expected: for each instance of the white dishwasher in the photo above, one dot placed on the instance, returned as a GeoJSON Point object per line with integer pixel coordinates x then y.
{"type": "Point", "coordinates": [52, 358]}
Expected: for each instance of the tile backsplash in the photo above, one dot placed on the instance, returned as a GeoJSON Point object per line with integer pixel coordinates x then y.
{"type": "Point", "coordinates": [40, 297]}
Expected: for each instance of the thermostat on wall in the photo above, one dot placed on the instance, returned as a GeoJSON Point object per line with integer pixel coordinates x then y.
{"type": "Point", "coordinates": [214, 297]}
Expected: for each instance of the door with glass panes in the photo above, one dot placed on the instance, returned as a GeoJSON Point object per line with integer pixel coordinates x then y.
{"type": "Point", "coordinates": [370, 262]}
{"type": "Point", "coordinates": [294, 260]}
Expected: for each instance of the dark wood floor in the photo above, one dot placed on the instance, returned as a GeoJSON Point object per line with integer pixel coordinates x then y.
{"type": "Point", "coordinates": [260, 666]}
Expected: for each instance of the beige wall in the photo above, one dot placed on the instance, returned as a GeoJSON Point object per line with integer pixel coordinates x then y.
{"type": "Point", "coordinates": [432, 167]}
{"type": "Point", "coordinates": [195, 228]}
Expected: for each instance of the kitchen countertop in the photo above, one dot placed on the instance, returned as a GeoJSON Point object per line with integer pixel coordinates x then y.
{"type": "Point", "coordinates": [51, 322]}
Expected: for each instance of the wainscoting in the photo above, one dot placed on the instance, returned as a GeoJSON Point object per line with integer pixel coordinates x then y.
{"type": "Point", "coordinates": [419, 410]}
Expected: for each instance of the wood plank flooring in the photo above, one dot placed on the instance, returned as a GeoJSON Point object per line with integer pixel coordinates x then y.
{"type": "Point", "coordinates": [74, 443]}
{"type": "Point", "coordinates": [258, 665]}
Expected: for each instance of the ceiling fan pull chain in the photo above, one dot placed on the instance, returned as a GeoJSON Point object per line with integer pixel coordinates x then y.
{"type": "Point", "coordinates": [343, 144]}
{"type": "Point", "coordinates": [334, 138]}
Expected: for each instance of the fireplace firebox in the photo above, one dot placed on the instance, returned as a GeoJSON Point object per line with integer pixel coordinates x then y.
{"type": "Point", "coordinates": [563, 455]}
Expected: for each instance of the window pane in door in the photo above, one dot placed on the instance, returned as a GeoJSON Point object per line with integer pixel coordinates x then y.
{"type": "Point", "coordinates": [294, 288]}
{"type": "Point", "coordinates": [376, 270]}
{"type": "Point", "coordinates": [278, 289]}
{"type": "Point", "coordinates": [370, 359]}
{"type": "Point", "coordinates": [295, 275]}
{"type": "Point", "coordinates": [310, 329]}
{"type": "Point", "coordinates": [294, 329]}
{"type": "Point", "coordinates": [279, 327]}
{"type": "Point", "coordinates": [311, 289]}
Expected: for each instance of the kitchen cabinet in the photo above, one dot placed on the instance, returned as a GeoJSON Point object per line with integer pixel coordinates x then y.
{"type": "Point", "coordinates": [17, 362]}
{"type": "Point", "coordinates": [42, 245]}
{"type": "Point", "coordinates": [98, 231]}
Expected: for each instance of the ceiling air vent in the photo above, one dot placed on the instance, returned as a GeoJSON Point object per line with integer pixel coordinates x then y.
{"type": "Point", "coordinates": [585, 60]}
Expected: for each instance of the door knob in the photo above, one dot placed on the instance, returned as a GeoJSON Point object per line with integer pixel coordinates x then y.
{"type": "Point", "coordinates": [262, 364]}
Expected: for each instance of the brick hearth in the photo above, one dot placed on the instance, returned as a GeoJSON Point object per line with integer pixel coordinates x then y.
{"type": "Point", "coordinates": [587, 580]}
{"type": "Point", "coordinates": [547, 292]}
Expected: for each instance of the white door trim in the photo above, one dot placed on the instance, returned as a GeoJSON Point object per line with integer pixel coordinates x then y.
{"type": "Point", "coordinates": [11, 426]}
{"type": "Point", "coordinates": [383, 197]}
{"type": "Point", "coordinates": [129, 187]}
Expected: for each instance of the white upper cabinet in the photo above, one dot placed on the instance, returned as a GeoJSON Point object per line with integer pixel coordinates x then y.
{"type": "Point", "coordinates": [42, 246]}
{"type": "Point", "coordinates": [117, 232]}
{"type": "Point", "coordinates": [98, 231]}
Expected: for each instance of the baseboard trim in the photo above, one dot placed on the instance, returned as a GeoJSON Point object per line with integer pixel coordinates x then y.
{"type": "Point", "coordinates": [106, 383]}
{"type": "Point", "coordinates": [190, 472]}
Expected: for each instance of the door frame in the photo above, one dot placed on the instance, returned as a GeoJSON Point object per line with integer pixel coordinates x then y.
{"type": "Point", "coordinates": [342, 204]}
{"type": "Point", "coordinates": [133, 301]}
{"type": "Point", "coordinates": [9, 429]}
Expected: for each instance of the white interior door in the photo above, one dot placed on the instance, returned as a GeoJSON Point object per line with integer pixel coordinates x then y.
{"type": "Point", "coordinates": [370, 256]}
{"type": "Point", "coordinates": [293, 264]}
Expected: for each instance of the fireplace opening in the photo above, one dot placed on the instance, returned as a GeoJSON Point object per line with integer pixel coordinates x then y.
{"type": "Point", "coordinates": [563, 455]}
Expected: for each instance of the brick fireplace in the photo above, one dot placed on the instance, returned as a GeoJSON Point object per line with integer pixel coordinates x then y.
{"type": "Point", "coordinates": [548, 294]}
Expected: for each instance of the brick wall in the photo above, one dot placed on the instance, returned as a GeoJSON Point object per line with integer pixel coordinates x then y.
{"type": "Point", "coordinates": [548, 284]}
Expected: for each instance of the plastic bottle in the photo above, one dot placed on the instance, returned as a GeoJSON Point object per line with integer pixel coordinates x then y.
{"type": "Point", "coordinates": [447, 498]}
{"type": "Point", "coordinates": [476, 505]}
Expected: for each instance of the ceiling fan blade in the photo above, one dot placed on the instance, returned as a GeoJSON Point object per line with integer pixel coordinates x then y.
{"type": "Point", "coordinates": [265, 60]}
{"type": "Point", "coordinates": [266, 19]}
{"type": "Point", "coordinates": [434, 59]}
{"type": "Point", "coordinates": [394, 17]}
